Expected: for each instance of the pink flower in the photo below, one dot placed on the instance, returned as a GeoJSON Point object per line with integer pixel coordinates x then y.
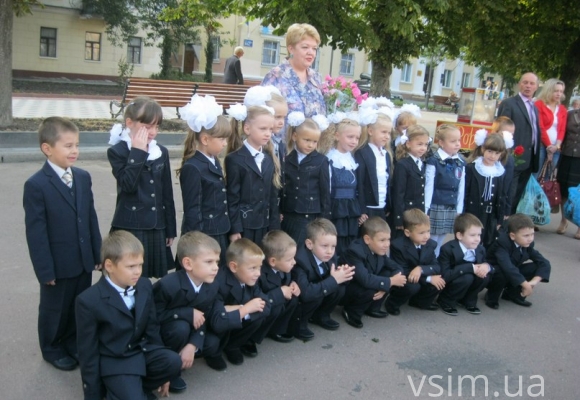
{"type": "Point", "coordinates": [356, 92]}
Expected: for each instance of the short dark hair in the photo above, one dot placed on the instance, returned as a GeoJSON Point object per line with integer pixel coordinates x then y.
{"type": "Point", "coordinates": [517, 222]}
{"type": "Point", "coordinates": [118, 244]}
{"type": "Point", "coordinates": [275, 243]}
{"type": "Point", "coordinates": [320, 226]}
{"type": "Point", "coordinates": [465, 221]}
{"type": "Point", "coordinates": [51, 128]}
{"type": "Point", "coordinates": [192, 243]}
{"type": "Point", "coordinates": [415, 217]}
{"type": "Point", "coordinates": [241, 249]}
{"type": "Point", "coordinates": [374, 225]}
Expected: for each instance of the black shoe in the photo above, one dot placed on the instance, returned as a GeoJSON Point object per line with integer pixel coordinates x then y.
{"type": "Point", "coordinates": [150, 395]}
{"type": "Point", "coordinates": [177, 385]}
{"type": "Point", "coordinates": [393, 310]}
{"type": "Point", "coordinates": [473, 310]}
{"type": "Point", "coordinates": [235, 356]}
{"type": "Point", "coordinates": [376, 314]}
{"type": "Point", "coordinates": [326, 323]}
{"type": "Point", "coordinates": [449, 310]}
{"type": "Point", "coordinates": [351, 321]}
{"type": "Point", "coordinates": [249, 349]}
{"type": "Point", "coordinates": [304, 334]}
{"type": "Point", "coordinates": [65, 363]}
{"type": "Point", "coordinates": [430, 307]}
{"type": "Point", "coordinates": [217, 363]}
{"type": "Point", "coordinates": [517, 299]}
{"type": "Point", "coordinates": [281, 338]}
{"type": "Point", "coordinates": [494, 305]}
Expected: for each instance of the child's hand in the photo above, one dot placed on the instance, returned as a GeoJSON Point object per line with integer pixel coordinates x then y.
{"type": "Point", "coordinates": [255, 305]}
{"type": "Point", "coordinates": [343, 273]}
{"type": "Point", "coordinates": [379, 295]}
{"type": "Point", "coordinates": [281, 217]}
{"type": "Point", "coordinates": [187, 355]}
{"type": "Point", "coordinates": [398, 280]}
{"type": "Point", "coordinates": [415, 274]}
{"type": "Point", "coordinates": [482, 270]}
{"type": "Point", "coordinates": [198, 318]}
{"type": "Point", "coordinates": [169, 242]}
{"type": "Point", "coordinates": [287, 292]}
{"type": "Point", "coordinates": [51, 283]}
{"type": "Point", "coordinates": [362, 219]}
{"type": "Point", "coordinates": [295, 289]}
{"type": "Point", "coordinates": [235, 236]}
{"type": "Point", "coordinates": [163, 390]}
{"type": "Point", "coordinates": [527, 289]}
{"type": "Point", "coordinates": [140, 139]}
{"type": "Point", "coordinates": [98, 267]}
{"type": "Point", "coordinates": [438, 282]}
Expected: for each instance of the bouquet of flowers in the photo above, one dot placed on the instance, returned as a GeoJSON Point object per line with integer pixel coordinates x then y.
{"type": "Point", "coordinates": [341, 94]}
{"type": "Point", "coordinates": [518, 152]}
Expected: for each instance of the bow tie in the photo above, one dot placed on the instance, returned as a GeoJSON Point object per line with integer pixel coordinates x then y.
{"type": "Point", "coordinates": [129, 291]}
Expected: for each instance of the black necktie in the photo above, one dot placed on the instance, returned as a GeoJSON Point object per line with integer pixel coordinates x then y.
{"type": "Point", "coordinates": [419, 251]}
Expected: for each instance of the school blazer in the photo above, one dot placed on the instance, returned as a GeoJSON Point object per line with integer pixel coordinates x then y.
{"type": "Point", "coordinates": [474, 187]}
{"type": "Point", "coordinates": [203, 190]}
{"type": "Point", "coordinates": [313, 286]}
{"type": "Point", "coordinates": [306, 185]}
{"type": "Point", "coordinates": [452, 263]}
{"type": "Point", "coordinates": [371, 271]}
{"type": "Point", "coordinates": [404, 253]}
{"type": "Point", "coordinates": [367, 181]}
{"type": "Point", "coordinates": [111, 341]}
{"type": "Point", "coordinates": [62, 229]}
{"type": "Point", "coordinates": [144, 190]}
{"type": "Point", "coordinates": [252, 197]}
{"type": "Point", "coordinates": [504, 254]}
{"type": "Point", "coordinates": [270, 284]}
{"type": "Point", "coordinates": [408, 188]}
{"type": "Point", "coordinates": [230, 292]}
{"type": "Point", "coordinates": [175, 299]}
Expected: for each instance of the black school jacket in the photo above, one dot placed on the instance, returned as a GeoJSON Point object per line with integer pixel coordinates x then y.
{"type": "Point", "coordinates": [408, 188]}
{"type": "Point", "coordinates": [504, 254]}
{"type": "Point", "coordinates": [313, 286]}
{"type": "Point", "coordinates": [252, 197]}
{"type": "Point", "coordinates": [452, 263]}
{"type": "Point", "coordinates": [306, 185]}
{"type": "Point", "coordinates": [270, 282]}
{"type": "Point", "coordinates": [175, 299]}
{"type": "Point", "coordinates": [367, 181]}
{"type": "Point", "coordinates": [110, 340]}
{"type": "Point", "coordinates": [371, 271]}
{"type": "Point", "coordinates": [203, 190]}
{"type": "Point", "coordinates": [404, 253]}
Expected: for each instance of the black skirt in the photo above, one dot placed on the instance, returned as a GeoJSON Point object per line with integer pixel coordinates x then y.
{"type": "Point", "coordinates": [157, 257]}
{"type": "Point", "coordinates": [568, 173]}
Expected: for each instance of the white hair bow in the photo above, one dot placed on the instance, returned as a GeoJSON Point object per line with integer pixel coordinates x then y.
{"type": "Point", "coordinates": [296, 118]}
{"type": "Point", "coordinates": [201, 112]}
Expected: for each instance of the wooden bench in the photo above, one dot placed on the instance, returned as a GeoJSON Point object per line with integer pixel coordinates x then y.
{"type": "Point", "coordinates": [177, 93]}
{"type": "Point", "coordinates": [444, 101]}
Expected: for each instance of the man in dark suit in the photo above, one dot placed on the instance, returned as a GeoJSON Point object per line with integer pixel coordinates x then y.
{"type": "Point", "coordinates": [233, 69]}
{"type": "Point", "coordinates": [63, 238]}
{"type": "Point", "coordinates": [521, 110]}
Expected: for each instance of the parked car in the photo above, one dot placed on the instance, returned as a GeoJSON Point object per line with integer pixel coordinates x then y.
{"type": "Point", "coordinates": [364, 84]}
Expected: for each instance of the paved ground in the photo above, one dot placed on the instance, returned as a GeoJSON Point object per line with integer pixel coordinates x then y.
{"type": "Point", "coordinates": [375, 362]}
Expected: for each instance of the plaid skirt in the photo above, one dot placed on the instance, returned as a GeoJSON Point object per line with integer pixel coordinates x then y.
{"type": "Point", "coordinates": [442, 218]}
{"type": "Point", "coordinates": [157, 257]}
{"type": "Point", "coordinates": [295, 225]}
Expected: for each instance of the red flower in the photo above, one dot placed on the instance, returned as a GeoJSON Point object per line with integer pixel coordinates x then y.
{"type": "Point", "coordinates": [518, 151]}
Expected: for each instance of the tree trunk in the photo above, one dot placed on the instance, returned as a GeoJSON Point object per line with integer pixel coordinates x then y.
{"type": "Point", "coordinates": [380, 78]}
{"type": "Point", "coordinates": [570, 71]}
{"type": "Point", "coordinates": [209, 50]}
{"type": "Point", "coordinates": [166, 49]}
{"type": "Point", "coordinates": [6, 21]}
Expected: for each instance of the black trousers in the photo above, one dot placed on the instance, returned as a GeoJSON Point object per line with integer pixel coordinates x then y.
{"type": "Point", "coordinates": [421, 293]}
{"type": "Point", "coordinates": [162, 366]}
{"type": "Point", "coordinates": [465, 288]}
{"type": "Point", "coordinates": [175, 335]}
{"type": "Point", "coordinates": [57, 332]}
{"type": "Point", "coordinates": [516, 192]}
{"type": "Point", "coordinates": [499, 282]}
{"type": "Point", "coordinates": [321, 308]}
{"type": "Point", "coordinates": [239, 337]}
{"type": "Point", "coordinates": [278, 321]}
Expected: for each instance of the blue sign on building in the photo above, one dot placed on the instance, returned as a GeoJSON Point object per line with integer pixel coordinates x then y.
{"type": "Point", "coordinates": [248, 43]}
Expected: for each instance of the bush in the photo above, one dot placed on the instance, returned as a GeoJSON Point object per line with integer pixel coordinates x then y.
{"type": "Point", "coordinates": [178, 76]}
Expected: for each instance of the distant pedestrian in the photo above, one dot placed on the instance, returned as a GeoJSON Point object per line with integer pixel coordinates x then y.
{"type": "Point", "coordinates": [233, 69]}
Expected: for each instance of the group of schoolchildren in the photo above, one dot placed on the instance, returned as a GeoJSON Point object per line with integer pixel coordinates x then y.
{"type": "Point", "coordinates": [274, 243]}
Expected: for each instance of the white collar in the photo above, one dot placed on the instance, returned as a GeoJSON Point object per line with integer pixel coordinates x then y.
{"type": "Point", "coordinates": [415, 159]}
{"type": "Point", "coordinates": [377, 149]}
{"type": "Point", "coordinates": [252, 150]}
{"type": "Point", "coordinates": [465, 249]}
{"type": "Point", "coordinates": [195, 287]}
{"type": "Point", "coordinates": [211, 159]}
{"type": "Point", "coordinates": [342, 160]}
{"type": "Point", "coordinates": [489, 172]}
{"type": "Point", "coordinates": [118, 134]}
{"type": "Point", "coordinates": [444, 156]}
{"type": "Point", "coordinates": [119, 288]}
{"type": "Point", "coordinates": [318, 262]}
{"type": "Point", "coordinates": [59, 171]}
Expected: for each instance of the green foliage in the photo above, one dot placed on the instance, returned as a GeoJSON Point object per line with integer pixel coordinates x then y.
{"type": "Point", "coordinates": [23, 7]}
{"type": "Point", "coordinates": [177, 76]}
{"type": "Point", "coordinates": [124, 70]}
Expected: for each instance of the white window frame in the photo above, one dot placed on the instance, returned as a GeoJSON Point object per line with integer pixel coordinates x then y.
{"type": "Point", "coordinates": [217, 44]}
{"type": "Point", "coordinates": [273, 56]}
{"type": "Point", "coordinates": [347, 60]}
{"type": "Point", "coordinates": [447, 81]}
{"type": "Point", "coordinates": [466, 79]}
{"type": "Point", "coordinates": [406, 73]}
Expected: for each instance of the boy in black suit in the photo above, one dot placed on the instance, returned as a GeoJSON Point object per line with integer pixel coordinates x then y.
{"type": "Point", "coordinates": [184, 302]}
{"type": "Point", "coordinates": [63, 238]}
{"type": "Point", "coordinates": [509, 254]}
{"type": "Point", "coordinates": [276, 282]}
{"type": "Point", "coordinates": [415, 252]}
{"type": "Point", "coordinates": [318, 278]}
{"type": "Point", "coordinates": [463, 266]}
{"type": "Point", "coordinates": [242, 307]}
{"type": "Point", "coordinates": [121, 353]}
{"type": "Point", "coordinates": [375, 273]}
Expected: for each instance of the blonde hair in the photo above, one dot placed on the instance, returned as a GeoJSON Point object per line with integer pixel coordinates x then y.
{"type": "Point", "coordinates": [276, 243]}
{"type": "Point", "coordinates": [318, 227]}
{"type": "Point", "coordinates": [549, 88]}
{"type": "Point", "coordinates": [297, 32]}
{"type": "Point", "coordinates": [443, 130]}
{"type": "Point", "coordinates": [242, 249]}
{"type": "Point", "coordinates": [308, 124]}
{"type": "Point", "coordinates": [119, 244]}
{"type": "Point", "coordinates": [193, 243]}
{"type": "Point", "coordinates": [500, 123]}
{"type": "Point", "coordinates": [404, 118]}
{"type": "Point", "coordinates": [238, 50]}
{"type": "Point", "coordinates": [328, 138]}
{"type": "Point", "coordinates": [374, 225]}
{"type": "Point", "coordinates": [492, 142]}
{"type": "Point", "coordinates": [221, 129]}
{"type": "Point", "coordinates": [413, 132]}
{"type": "Point", "coordinates": [415, 217]}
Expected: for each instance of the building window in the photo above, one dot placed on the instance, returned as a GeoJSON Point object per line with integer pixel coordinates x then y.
{"type": "Point", "coordinates": [48, 42]}
{"type": "Point", "coordinates": [134, 50]}
{"type": "Point", "coordinates": [92, 46]}
{"type": "Point", "coordinates": [446, 78]}
{"type": "Point", "coordinates": [406, 73]}
{"type": "Point", "coordinates": [466, 80]}
{"type": "Point", "coordinates": [216, 48]}
{"type": "Point", "coordinates": [270, 52]}
{"type": "Point", "coordinates": [347, 64]}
